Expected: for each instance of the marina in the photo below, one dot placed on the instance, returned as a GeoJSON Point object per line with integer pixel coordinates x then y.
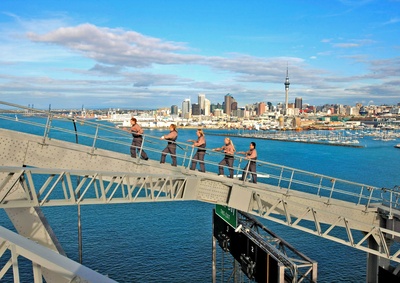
{"type": "Point", "coordinates": [323, 137]}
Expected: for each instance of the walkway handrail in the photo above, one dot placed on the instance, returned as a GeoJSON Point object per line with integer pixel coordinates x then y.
{"type": "Point", "coordinates": [42, 257]}
{"type": "Point", "coordinates": [391, 199]}
{"type": "Point", "coordinates": [284, 177]}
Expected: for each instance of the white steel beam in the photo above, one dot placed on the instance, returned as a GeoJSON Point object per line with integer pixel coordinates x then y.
{"type": "Point", "coordinates": [44, 258]}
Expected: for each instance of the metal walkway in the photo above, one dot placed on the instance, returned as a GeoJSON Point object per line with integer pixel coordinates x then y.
{"type": "Point", "coordinates": [51, 169]}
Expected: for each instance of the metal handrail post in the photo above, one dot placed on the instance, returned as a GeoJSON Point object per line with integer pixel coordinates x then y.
{"type": "Point", "coordinates": [332, 188]}
{"type": "Point", "coordinates": [190, 158]}
{"type": "Point", "coordinates": [141, 147]}
{"type": "Point", "coordinates": [184, 155]}
{"type": "Point", "coordinates": [238, 168]}
{"type": "Point", "coordinates": [319, 186]}
{"type": "Point", "coordinates": [47, 128]}
{"type": "Point", "coordinates": [370, 196]}
{"type": "Point", "coordinates": [290, 182]}
{"type": "Point", "coordinates": [246, 171]}
{"type": "Point", "coordinates": [280, 177]}
{"type": "Point", "coordinates": [360, 196]}
{"type": "Point", "coordinates": [95, 139]}
{"type": "Point", "coordinates": [390, 206]}
{"type": "Point", "coordinates": [397, 196]}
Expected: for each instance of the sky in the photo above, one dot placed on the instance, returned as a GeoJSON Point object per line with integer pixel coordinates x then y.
{"type": "Point", "coordinates": [152, 54]}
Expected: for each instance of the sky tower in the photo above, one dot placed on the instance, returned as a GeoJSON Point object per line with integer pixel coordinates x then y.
{"type": "Point", "coordinates": [287, 89]}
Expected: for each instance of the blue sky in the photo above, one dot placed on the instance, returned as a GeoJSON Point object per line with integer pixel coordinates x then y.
{"type": "Point", "coordinates": [151, 54]}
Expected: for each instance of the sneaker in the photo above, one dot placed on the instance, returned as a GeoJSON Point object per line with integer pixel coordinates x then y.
{"type": "Point", "coordinates": [221, 175]}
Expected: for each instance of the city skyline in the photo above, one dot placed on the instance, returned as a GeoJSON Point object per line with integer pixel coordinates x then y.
{"type": "Point", "coordinates": [144, 55]}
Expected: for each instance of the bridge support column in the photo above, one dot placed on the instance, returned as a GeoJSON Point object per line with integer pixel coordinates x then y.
{"type": "Point", "coordinates": [374, 262]}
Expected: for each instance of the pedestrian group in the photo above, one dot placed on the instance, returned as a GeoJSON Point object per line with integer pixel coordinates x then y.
{"type": "Point", "coordinates": [249, 171]}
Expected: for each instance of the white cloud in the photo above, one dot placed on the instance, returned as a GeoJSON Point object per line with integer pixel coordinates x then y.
{"type": "Point", "coordinates": [392, 21]}
{"type": "Point", "coordinates": [116, 46]}
{"type": "Point", "coordinates": [346, 45]}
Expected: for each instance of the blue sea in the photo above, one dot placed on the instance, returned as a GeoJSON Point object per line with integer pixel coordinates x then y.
{"type": "Point", "coordinates": [172, 241]}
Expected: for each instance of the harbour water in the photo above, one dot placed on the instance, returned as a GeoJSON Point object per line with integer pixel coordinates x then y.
{"type": "Point", "coordinates": [171, 242]}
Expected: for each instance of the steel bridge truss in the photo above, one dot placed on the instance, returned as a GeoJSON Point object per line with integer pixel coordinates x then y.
{"type": "Point", "coordinates": [343, 230]}
{"type": "Point", "coordinates": [56, 187]}
{"type": "Point", "coordinates": [71, 187]}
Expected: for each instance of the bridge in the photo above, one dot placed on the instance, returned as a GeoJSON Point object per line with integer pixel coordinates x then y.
{"type": "Point", "coordinates": [53, 169]}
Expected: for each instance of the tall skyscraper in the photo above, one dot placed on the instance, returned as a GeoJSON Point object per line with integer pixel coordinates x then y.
{"type": "Point", "coordinates": [174, 110]}
{"type": "Point", "coordinates": [287, 83]}
{"type": "Point", "coordinates": [201, 100]}
{"type": "Point", "coordinates": [196, 109]}
{"type": "Point", "coordinates": [298, 103]}
{"type": "Point", "coordinates": [261, 108]}
{"type": "Point", "coordinates": [207, 107]}
{"type": "Point", "coordinates": [186, 108]}
{"type": "Point", "coordinates": [228, 104]}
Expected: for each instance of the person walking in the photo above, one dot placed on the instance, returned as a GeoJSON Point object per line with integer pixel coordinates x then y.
{"type": "Point", "coordinates": [251, 155]}
{"type": "Point", "coordinates": [200, 143]}
{"type": "Point", "coordinates": [229, 149]}
{"type": "Point", "coordinates": [137, 133]}
{"type": "Point", "coordinates": [171, 147]}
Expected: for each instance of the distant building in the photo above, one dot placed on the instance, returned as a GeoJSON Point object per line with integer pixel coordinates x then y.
{"type": "Point", "coordinates": [196, 109]}
{"type": "Point", "coordinates": [298, 103]}
{"type": "Point", "coordinates": [311, 109]}
{"type": "Point", "coordinates": [186, 110]}
{"type": "Point", "coordinates": [174, 110]}
{"type": "Point", "coordinates": [234, 109]}
{"type": "Point", "coordinates": [201, 101]}
{"type": "Point", "coordinates": [352, 111]}
{"type": "Point", "coordinates": [261, 108]}
{"type": "Point", "coordinates": [218, 112]}
{"type": "Point", "coordinates": [207, 107]}
{"type": "Point", "coordinates": [213, 107]}
{"type": "Point", "coordinates": [241, 113]}
{"type": "Point", "coordinates": [228, 104]}
{"type": "Point", "coordinates": [395, 110]}
{"type": "Point", "coordinates": [341, 110]}
{"type": "Point", "coordinates": [270, 106]}
{"type": "Point", "coordinates": [290, 111]}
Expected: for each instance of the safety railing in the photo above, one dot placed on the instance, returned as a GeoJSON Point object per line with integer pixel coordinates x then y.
{"type": "Point", "coordinates": [103, 135]}
{"type": "Point", "coordinates": [16, 249]}
{"type": "Point", "coordinates": [391, 199]}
